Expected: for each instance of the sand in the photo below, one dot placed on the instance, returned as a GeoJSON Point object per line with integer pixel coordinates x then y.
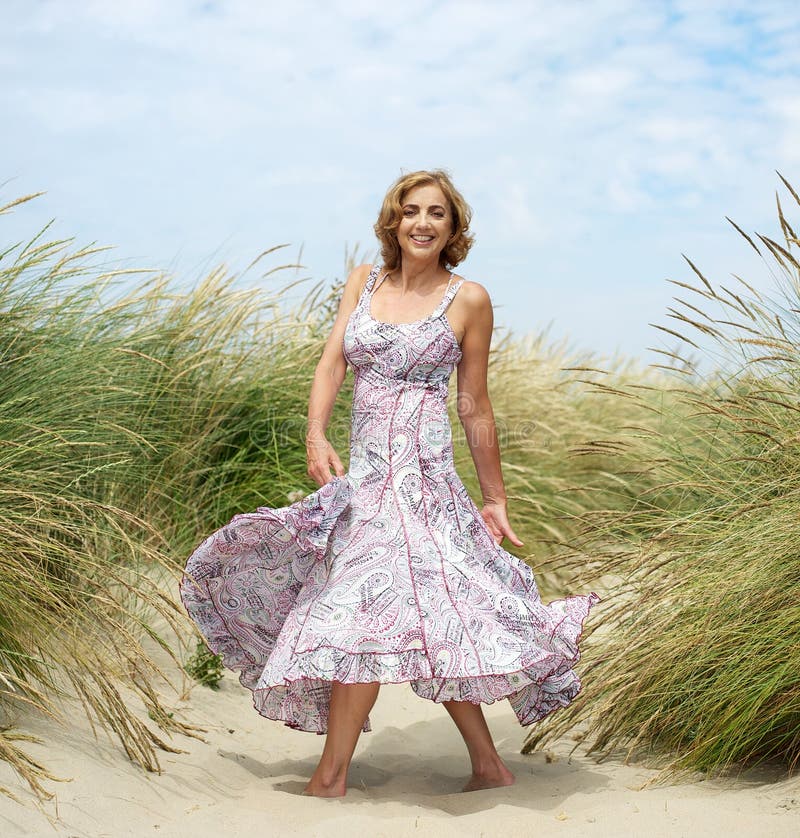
{"type": "Point", "coordinates": [246, 780]}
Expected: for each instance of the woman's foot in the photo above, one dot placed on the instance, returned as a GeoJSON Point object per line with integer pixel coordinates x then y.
{"type": "Point", "coordinates": [489, 777]}
{"type": "Point", "coordinates": [317, 788]}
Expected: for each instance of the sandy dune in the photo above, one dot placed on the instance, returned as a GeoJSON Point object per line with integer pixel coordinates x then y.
{"type": "Point", "coordinates": [247, 779]}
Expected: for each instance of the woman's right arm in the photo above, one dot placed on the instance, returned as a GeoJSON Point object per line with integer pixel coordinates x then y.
{"type": "Point", "coordinates": [328, 377]}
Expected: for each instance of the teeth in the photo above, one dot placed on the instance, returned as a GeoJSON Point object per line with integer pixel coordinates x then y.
{"type": "Point", "coordinates": [422, 238]}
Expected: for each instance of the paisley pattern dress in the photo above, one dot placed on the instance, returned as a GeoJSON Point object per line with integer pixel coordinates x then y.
{"type": "Point", "coordinates": [388, 573]}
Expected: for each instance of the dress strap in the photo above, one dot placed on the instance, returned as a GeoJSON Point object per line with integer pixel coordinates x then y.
{"type": "Point", "coordinates": [380, 275]}
{"type": "Point", "coordinates": [452, 288]}
{"type": "Point", "coordinates": [366, 291]}
{"type": "Point", "coordinates": [374, 273]}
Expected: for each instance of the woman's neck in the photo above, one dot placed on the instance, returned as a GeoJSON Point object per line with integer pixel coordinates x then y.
{"type": "Point", "coordinates": [416, 274]}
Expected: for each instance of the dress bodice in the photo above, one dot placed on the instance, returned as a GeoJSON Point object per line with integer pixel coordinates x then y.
{"type": "Point", "coordinates": [422, 352]}
{"type": "Point", "coordinates": [402, 370]}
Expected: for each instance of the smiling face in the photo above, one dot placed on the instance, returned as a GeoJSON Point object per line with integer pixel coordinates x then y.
{"type": "Point", "coordinates": [423, 215]}
{"type": "Point", "coordinates": [426, 222]}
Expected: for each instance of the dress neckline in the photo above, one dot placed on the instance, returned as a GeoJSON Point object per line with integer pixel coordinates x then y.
{"type": "Point", "coordinates": [432, 316]}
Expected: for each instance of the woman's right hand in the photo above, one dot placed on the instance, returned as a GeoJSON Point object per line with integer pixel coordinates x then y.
{"type": "Point", "coordinates": [321, 458]}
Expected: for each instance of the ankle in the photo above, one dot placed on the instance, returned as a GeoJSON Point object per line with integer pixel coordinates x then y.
{"type": "Point", "coordinates": [488, 764]}
{"type": "Point", "coordinates": [325, 782]}
{"type": "Point", "coordinates": [330, 779]}
{"type": "Point", "coordinates": [318, 788]}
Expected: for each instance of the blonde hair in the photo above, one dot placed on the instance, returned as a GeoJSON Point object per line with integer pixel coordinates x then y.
{"type": "Point", "coordinates": [391, 213]}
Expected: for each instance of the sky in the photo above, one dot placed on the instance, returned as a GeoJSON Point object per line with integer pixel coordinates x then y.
{"type": "Point", "coordinates": [595, 141]}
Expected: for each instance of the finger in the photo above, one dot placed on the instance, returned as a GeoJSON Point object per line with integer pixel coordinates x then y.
{"type": "Point", "coordinates": [505, 529]}
{"type": "Point", "coordinates": [514, 538]}
{"type": "Point", "coordinates": [336, 464]}
{"type": "Point", "coordinates": [322, 475]}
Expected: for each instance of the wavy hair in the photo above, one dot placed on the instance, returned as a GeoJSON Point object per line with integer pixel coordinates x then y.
{"type": "Point", "coordinates": [392, 212]}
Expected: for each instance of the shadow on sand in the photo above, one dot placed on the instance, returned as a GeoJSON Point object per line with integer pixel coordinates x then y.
{"type": "Point", "coordinates": [426, 764]}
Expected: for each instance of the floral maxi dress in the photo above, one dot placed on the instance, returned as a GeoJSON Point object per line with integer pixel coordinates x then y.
{"type": "Point", "coordinates": [388, 573]}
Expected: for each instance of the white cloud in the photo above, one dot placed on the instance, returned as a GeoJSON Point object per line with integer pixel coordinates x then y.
{"type": "Point", "coordinates": [573, 128]}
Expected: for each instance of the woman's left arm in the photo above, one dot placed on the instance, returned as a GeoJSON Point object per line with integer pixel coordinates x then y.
{"type": "Point", "coordinates": [475, 409]}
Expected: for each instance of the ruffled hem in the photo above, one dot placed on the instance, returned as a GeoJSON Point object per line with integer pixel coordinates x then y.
{"type": "Point", "coordinates": [301, 697]}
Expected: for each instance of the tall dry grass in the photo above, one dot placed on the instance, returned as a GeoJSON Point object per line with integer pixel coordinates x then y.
{"type": "Point", "coordinates": [697, 653]}
{"type": "Point", "coordinates": [131, 422]}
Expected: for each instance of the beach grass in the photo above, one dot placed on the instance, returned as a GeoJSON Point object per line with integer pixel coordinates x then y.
{"type": "Point", "coordinates": [695, 655]}
{"type": "Point", "coordinates": [134, 418]}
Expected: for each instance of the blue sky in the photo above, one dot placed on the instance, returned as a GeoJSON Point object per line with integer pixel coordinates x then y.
{"type": "Point", "coordinates": [595, 141]}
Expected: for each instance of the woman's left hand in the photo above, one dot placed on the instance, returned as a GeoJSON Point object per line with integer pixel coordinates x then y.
{"type": "Point", "coordinates": [496, 518]}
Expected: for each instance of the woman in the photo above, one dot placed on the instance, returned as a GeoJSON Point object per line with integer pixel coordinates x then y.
{"type": "Point", "coordinates": [389, 572]}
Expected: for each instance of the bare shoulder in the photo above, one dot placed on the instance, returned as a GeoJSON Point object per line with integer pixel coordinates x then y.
{"type": "Point", "coordinates": [360, 274]}
{"type": "Point", "coordinates": [471, 308]}
{"type": "Point", "coordinates": [351, 293]}
{"type": "Point", "coordinates": [473, 300]}
{"type": "Point", "coordinates": [475, 294]}
{"type": "Point", "coordinates": [354, 285]}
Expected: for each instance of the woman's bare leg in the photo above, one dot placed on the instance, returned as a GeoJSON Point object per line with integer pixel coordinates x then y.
{"type": "Point", "coordinates": [488, 770]}
{"type": "Point", "coordinates": [350, 706]}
